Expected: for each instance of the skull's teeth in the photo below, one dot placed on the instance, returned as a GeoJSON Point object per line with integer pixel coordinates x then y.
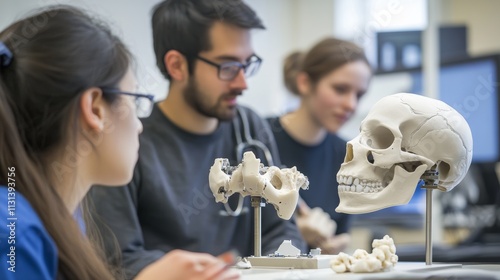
{"type": "Point", "coordinates": [351, 184]}
{"type": "Point", "coordinates": [360, 188]}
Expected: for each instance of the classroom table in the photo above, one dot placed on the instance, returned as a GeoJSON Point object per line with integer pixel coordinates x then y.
{"type": "Point", "coordinates": [402, 270]}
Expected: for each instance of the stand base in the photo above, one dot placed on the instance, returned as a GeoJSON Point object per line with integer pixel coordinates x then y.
{"type": "Point", "coordinates": [316, 262]}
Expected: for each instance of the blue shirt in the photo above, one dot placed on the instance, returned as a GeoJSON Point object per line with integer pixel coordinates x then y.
{"type": "Point", "coordinates": [320, 163]}
{"type": "Point", "coordinates": [27, 251]}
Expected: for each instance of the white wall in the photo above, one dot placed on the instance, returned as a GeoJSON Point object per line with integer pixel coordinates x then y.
{"type": "Point", "coordinates": [266, 93]}
{"type": "Point", "coordinates": [130, 19]}
{"type": "Point", "coordinates": [481, 17]}
{"type": "Point", "coordinates": [291, 25]}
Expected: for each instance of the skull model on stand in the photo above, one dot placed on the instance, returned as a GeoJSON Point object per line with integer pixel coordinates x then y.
{"type": "Point", "coordinates": [402, 136]}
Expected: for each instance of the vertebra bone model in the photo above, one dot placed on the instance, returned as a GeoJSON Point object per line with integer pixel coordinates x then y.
{"type": "Point", "coordinates": [280, 187]}
{"type": "Point", "coordinates": [382, 258]}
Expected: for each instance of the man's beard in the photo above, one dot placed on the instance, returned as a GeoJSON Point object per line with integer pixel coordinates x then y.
{"type": "Point", "coordinates": [195, 98]}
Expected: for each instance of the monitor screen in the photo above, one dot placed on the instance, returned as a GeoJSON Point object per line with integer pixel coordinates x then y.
{"type": "Point", "coordinates": [470, 86]}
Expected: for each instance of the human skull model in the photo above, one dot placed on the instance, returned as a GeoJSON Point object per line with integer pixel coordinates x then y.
{"type": "Point", "coordinates": [280, 187]}
{"type": "Point", "coordinates": [402, 136]}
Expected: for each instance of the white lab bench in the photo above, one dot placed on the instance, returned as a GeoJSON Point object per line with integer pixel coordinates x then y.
{"type": "Point", "coordinates": [403, 270]}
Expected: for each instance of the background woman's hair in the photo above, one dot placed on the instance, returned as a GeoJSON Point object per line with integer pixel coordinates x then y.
{"type": "Point", "coordinates": [324, 57]}
{"type": "Point", "coordinates": [58, 53]}
{"type": "Point", "coordinates": [292, 67]}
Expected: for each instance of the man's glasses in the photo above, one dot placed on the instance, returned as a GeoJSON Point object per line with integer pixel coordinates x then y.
{"type": "Point", "coordinates": [229, 70]}
{"type": "Point", "coordinates": [143, 102]}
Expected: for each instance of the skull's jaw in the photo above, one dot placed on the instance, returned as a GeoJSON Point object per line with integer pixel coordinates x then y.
{"type": "Point", "coordinates": [398, 192]}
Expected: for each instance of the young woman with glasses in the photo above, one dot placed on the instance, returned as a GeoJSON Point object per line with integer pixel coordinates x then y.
{"type": "Point", "coordinates": [68, 120]}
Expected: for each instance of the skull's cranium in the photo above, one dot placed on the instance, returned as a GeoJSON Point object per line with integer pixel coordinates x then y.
{"type": "Point", "coordinates": [402, 136]}
{"type": "Point", "coordinates": [279, 187]}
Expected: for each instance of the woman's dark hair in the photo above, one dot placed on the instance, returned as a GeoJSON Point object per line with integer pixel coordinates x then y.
{"type": "Point", "coordinates": [291, 68]}
{"type": "Point", "coordinates": [57, 53]}
{"type": "Point", "coordinates": [324, 57]}
{"type": "Point", "coordinates": [183, 25]}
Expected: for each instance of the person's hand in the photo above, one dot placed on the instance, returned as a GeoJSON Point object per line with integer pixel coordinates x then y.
{"type": "Point", "coordinates": [185, 265]}
{"type": "Point", "coordinates": [335, 244]}
{"type": "Point", "coordinates": [315, 225]}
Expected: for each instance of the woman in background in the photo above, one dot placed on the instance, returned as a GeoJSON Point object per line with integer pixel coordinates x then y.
{"type": "Point", "coordinates": [68, 120]}
{"type": "Point", "coordinates": [329, 79]}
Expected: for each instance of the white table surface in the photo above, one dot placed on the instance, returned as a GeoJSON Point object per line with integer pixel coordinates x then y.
{"type": "Point", "coordinates": [403, 270]}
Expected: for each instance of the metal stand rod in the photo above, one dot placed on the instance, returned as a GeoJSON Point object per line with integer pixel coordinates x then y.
{"type": "Point", "coordinates": [430, 182]}
{"type": "Point", "coordinates": [257, 204]}
{"type": "Point", "coordinates": [428, 226]}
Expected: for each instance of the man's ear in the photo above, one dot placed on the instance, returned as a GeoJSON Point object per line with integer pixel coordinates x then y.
{"type": "Point", "coordinates": [93, 109]}
{"type": "Point", "coordinates": [303, 84]}
{"type": "Point", "coordinates": [176, 65]}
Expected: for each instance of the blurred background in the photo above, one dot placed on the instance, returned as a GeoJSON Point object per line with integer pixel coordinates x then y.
{"type": "Point", "coordinates": [465, 54]}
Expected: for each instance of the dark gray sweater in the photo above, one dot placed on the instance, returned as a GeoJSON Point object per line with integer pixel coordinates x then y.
{"type": "Point", "coordinates": [169, 205]}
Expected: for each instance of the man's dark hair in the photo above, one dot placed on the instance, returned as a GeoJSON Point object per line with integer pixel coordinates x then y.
{"type": "Point", "coordinates": [183, 25]}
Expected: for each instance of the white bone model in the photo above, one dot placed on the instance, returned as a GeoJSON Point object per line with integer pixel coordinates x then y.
{"type": "Point", "coordinates": [382, 258]}
{"type": "Point", "coordinates": [402, 136]}
{"type": "Point", "coordinates": [279, 187]}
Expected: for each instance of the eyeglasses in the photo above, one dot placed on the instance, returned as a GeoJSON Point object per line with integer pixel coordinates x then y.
{"type": "Point", "coordinates": [143, 102]}
{"type": "Point", "coordinates": [229, 70]}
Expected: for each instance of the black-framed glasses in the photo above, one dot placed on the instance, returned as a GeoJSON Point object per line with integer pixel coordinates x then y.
{"type": "Point", "coordinates": [229, 70]}
{"type": "Point", "coordinates": [143, 102]}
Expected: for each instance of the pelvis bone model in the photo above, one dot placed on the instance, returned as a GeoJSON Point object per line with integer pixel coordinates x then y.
{"type": "Point", "coordinates": [402, 136]}
{"type": "Point", "coordinates": [279, 187]}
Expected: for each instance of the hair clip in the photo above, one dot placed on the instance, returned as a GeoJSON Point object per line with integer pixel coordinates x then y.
{"type": "Point", "coordinates": [5, 55]}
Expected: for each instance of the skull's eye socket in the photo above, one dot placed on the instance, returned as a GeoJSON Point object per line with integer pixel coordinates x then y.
{"type": "Point", "coordinates": [379, 138]}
